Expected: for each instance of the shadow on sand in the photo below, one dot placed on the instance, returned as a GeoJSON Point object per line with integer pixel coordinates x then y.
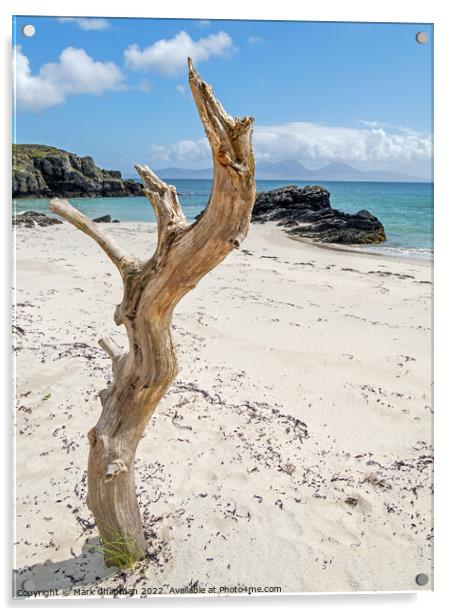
{"type": "Point", "coordinates": [87, 568]}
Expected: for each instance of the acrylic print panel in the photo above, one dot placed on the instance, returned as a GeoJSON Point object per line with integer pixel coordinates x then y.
{"type": "Point", "coordinates": [257, 415]}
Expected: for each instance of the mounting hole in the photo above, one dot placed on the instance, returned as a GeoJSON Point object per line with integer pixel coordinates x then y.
{"type": "Point", "coordinates": [28, 30]}
{"type": "Point", "coordinates": [421, 579]}
{"type": "Point", "coordinates": [422, 37]}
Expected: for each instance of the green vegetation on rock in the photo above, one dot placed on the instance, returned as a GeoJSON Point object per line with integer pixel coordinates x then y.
{"type": "Point", "coordinates": [46, 171]}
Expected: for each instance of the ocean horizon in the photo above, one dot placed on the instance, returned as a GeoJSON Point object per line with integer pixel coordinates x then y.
{"type": "Point", "coordinates": [404, 208]}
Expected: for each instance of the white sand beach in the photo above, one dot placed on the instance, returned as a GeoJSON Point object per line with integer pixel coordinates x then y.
{"type": "Point", "coordinates": [293, 450]}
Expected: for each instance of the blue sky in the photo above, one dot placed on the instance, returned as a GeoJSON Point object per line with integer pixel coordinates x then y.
{"type": "Point", "coordinates": [319, 92]}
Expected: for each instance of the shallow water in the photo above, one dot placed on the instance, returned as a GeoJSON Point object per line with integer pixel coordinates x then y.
{"type": "Point", "coordinates": [405, 209]}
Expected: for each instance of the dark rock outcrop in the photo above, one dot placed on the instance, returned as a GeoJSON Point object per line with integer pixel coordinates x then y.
{"type": "Point", "coordinates": [33, 219]}
{"type": "Point", "coordinates": [307, 212]}
{"type": "Point", "coordinates": [106, 218]}
{"type": "Point", "coordinates": [43, 171]}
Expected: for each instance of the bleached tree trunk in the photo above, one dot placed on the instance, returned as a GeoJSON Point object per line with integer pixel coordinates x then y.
{"type": "Point", "coordinates": [184, 254]}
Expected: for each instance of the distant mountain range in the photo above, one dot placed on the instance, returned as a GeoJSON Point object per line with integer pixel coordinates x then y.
{"type": "Point", "coordinates": [293, 170]}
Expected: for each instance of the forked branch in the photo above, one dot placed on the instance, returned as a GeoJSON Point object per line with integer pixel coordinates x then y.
{"type": "Point", "coordinates": [184, 254]}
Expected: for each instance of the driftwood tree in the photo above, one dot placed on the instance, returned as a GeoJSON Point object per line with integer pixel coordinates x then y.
{"type": "Point", "coordinates": [152, 288]}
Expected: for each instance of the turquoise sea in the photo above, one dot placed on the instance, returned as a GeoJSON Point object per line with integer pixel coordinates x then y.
{"type": "Point", "coordinates": [405, 209]}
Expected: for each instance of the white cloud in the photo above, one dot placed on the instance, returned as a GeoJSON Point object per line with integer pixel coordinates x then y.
{"type": "Point", "coordinates": [86, 23]}
{"type": "Point", "coordinates": [74, 73]}
{"type": "Point", "coordinates": [203, 23]}
{"type": "Point", "coordinates": [169, 56]}
{"type": "Point", "coordinates": [189, 149]}
{"type": "Point", "coordinates": [186, 150]}
{"type": "Point", "coordinates": [390, 127]}
{"type": "Point", "coordinates": [160, 154]}
{"type": "Point", "coordinates": [255, 40]}
{"type": "Point", "coordinates": [181, 88]}
{"type": "Point", "coordinates": [317, 144]}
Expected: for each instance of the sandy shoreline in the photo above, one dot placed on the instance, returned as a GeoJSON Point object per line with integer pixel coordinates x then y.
{"type": "Point", "coordinates": [294, 448]}
{"type": "Point", "coordinates": [403, 256]}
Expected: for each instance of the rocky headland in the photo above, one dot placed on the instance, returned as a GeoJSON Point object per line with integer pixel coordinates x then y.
{"type": "Point", "coordinates": [307, 212]}
{"type": "Point", "coordinates": [44, 171]}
